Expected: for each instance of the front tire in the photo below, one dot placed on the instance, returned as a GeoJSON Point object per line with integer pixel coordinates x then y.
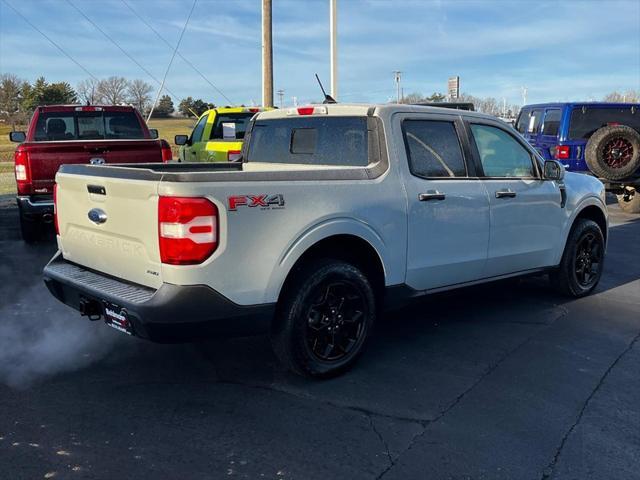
{"type": "Point", "coordinates": [581, 267]}
{"type": "Point", "coordinates": [325, 319]}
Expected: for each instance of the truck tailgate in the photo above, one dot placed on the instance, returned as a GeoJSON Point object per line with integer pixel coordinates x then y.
{"type": "Point", "coordinates": [110, 225]}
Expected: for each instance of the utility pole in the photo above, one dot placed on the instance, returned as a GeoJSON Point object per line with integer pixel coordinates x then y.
{"type": "Point", "coordinates": [281, 96]}
{"type": "Point", "coordinates": [333, 29]}
{"type": "Point", "coordinates": [267, 55]}
{"type": "Point", "coordinates": [524, 96]}
{"type": "Point", "coordinates": [398, 76]}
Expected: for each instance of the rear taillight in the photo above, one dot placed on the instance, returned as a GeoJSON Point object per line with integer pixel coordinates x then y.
{"type": "Point", "coordinates": [23, 173]}
{"type": "Point", "coordinates": [55, 208]}
{"type": "Point", "coordinates": [187, 229]}
{"type": "Point", "coordinates": [234, 155]}
{"type": "Point", "coordinates": [562, 152]}
{"type": "Point", "coordinates": [167, 154]}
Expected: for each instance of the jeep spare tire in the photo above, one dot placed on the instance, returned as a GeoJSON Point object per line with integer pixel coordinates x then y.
{"type": "Point", "coordinates": [613, 152]}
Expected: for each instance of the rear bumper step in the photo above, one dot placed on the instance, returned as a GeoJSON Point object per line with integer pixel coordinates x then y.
{"type": "Point", "coordinates": [172, 313]}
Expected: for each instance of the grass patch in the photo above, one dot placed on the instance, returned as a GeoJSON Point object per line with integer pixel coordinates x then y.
{"type": "Point", "coordinates": [168, 128]}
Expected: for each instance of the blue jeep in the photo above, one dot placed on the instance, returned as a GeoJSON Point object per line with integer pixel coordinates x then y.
{"type": "Point", "coordinates": [598, 138]}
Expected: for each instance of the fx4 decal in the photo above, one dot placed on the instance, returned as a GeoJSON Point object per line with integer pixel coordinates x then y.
{"type": "Point", "coordinates": [264, 202]}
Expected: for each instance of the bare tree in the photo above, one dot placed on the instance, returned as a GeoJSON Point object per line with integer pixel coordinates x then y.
{"type": "Point", "coordinates": [140, 94]}
{"type": "Point", "coordinates": [88, 91]}
{"type": "Point", "coordinates": [113, 90]}
{"type": "Point", "coordinates": [11, 93]}
{"type": "Point", "coordinates": [630, 96]}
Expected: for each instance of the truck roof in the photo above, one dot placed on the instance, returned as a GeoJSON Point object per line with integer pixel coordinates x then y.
{"type": "Point", "coordinates": [595, 104]}
{"type": "Point", "coordinates": [364, 109]}
{"type": "Point", "coordinates": [87, 108]}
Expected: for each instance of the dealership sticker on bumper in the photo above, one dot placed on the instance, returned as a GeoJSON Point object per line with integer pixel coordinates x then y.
{"type": "Point", "coordinates": [116, 317]}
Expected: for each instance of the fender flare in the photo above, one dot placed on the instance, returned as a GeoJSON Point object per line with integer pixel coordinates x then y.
{"type": "Point", "coordinates": [320, 231]}
{"type": "Point", "coordinates": [584, 203]}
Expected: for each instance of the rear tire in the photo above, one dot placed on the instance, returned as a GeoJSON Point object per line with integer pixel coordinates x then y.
{"type": "Point", "coordinates": [630, 201]}
{"type": "Point", "coordinates": [31, 229]}
{"type": "Point", "coordinates": [581, 267]}
{"type": "Point", "coordinates": [613, 152]}
{"type": "Point", "coordinates": [325, 319]}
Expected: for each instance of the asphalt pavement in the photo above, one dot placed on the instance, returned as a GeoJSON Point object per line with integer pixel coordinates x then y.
{"type": "Point", "coordinates": [502, 381]}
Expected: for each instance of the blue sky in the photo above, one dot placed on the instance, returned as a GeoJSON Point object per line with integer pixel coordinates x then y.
{"type": "Point", "coordinates": [571, 50]}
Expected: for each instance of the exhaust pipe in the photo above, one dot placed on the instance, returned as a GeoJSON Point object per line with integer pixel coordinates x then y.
{"type": "Point", "coordinates": [47, 218]}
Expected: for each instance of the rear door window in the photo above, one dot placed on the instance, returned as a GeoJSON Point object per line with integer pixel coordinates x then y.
{"type": "Point", "coordinates": [196, 135]}
{"type": "Point", "coordinates": [523, 121]}
{"type": "Point", "coordinates": [586, 120]}
{"type": "Point", "coordinates": [339, 141]}
{"type": "Point", "coordinates": [433, 149]}
{"type": "Point", "coordinates": [59, 126]}
{"type": "Point", "coordinates": [551, 122]}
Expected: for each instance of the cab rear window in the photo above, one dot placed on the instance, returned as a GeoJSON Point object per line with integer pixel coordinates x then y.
{"type": "Point", "coordinates": [585, 121]}
{"type": "Point", "coordinates": [230, 126]}
{"type": "Point", "coordinates": [60, 126]}
{"type": "Point", "coordinates": [339, 141]}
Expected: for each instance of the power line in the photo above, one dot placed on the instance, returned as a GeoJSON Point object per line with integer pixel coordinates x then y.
{"type": "Point", "coordinates": [50, 40]}
{"type": "Point", "coordinates": [179, 54]}
{"type": "Point", "coordinates": [172, 58]}
{"type": "Point", "coordinates": [120, 48]}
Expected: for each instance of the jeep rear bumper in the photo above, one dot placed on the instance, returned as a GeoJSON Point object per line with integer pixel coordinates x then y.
{"type": "Point", "coordinates": [172, 313]}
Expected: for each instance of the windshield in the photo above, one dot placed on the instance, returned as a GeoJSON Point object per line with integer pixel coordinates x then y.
{"type": "Point", "coordinates": [60, 126]}
{"type": "Point", "coordinates": [230, 126]}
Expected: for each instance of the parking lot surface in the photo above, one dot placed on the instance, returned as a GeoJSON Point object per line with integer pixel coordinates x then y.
{"type": "Point", "coordinates": [503, 381]}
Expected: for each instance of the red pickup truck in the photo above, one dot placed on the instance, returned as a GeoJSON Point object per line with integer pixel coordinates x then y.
{"type": "Point", "coordinates": [63, 134]}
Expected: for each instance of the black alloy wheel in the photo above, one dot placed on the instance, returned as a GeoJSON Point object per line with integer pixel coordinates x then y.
{"type": "Point", "coordinates": [336, 321]}
{"type": "Point", "coordinates": [588, 259]}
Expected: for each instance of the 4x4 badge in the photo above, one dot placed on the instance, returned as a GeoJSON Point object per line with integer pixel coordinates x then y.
{"type": "Point", "coordinates": [264, 201]}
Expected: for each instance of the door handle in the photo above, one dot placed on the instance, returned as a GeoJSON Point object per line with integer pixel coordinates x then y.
{"type": "Point", "coordinates": [505, 193]}
{"type": "Point", "coordinates": [431, 195]}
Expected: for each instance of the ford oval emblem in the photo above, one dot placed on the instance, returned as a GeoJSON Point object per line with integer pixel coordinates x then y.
{"type": "Point", "coordinates": [97, 216]}
{"type": "Point", "coordinates": [97, 161]}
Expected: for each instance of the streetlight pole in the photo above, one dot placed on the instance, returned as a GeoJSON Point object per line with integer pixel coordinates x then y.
{"type": "Point", "coordinates": [267, 55]}
{"type": "Point", "coordinates": [397, 75]}
{"type": "Point", "coordinates": [333, 29]}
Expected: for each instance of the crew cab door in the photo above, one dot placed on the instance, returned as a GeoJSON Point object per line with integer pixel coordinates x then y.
{"type": "Point", "coordinates": [526, 211]}
{"type": "Point", "coordinates": [448, 222]}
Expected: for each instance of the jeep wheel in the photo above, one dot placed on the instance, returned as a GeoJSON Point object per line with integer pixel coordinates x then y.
{"type": "Point", "coordinates": [630, 201]}
{"type": "Point", "coordinates": [31, 229]}
{"type": "Point", "coordinates": [613, 152]}
{"type": "Point", "coordinates": [325, 319]}
{"type": "Point", "coordinates": [581, 267]}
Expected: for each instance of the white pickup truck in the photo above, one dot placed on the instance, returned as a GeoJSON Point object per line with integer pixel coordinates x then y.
{"type": "Point", "coordinates": [335, 211]}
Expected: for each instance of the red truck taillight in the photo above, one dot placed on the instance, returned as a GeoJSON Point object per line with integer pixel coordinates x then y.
{"type": "Point", "coordinates": [562, 152]}
{"type": "Point", "coordinates": [23, 172]}
{"type": "Point", "coordinates": [55, 208]}
{"type": "Point", "coordinates": [167, 154]}
{"type": "Point", "coordinates": [187, 230]}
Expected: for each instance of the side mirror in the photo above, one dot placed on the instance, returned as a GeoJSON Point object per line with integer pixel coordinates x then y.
{"type": "Point", "coordinates": [181, 139]}
{"type": "Point", "coordinates": [154, 133]}
{"type": "Point", "coordinates": [17, 137]}
{"type": "Point", "coordinates": [553, 170]}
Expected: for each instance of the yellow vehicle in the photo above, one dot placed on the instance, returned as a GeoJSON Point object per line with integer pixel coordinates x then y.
{"type": "Point", "coordinates": [217, 136]}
